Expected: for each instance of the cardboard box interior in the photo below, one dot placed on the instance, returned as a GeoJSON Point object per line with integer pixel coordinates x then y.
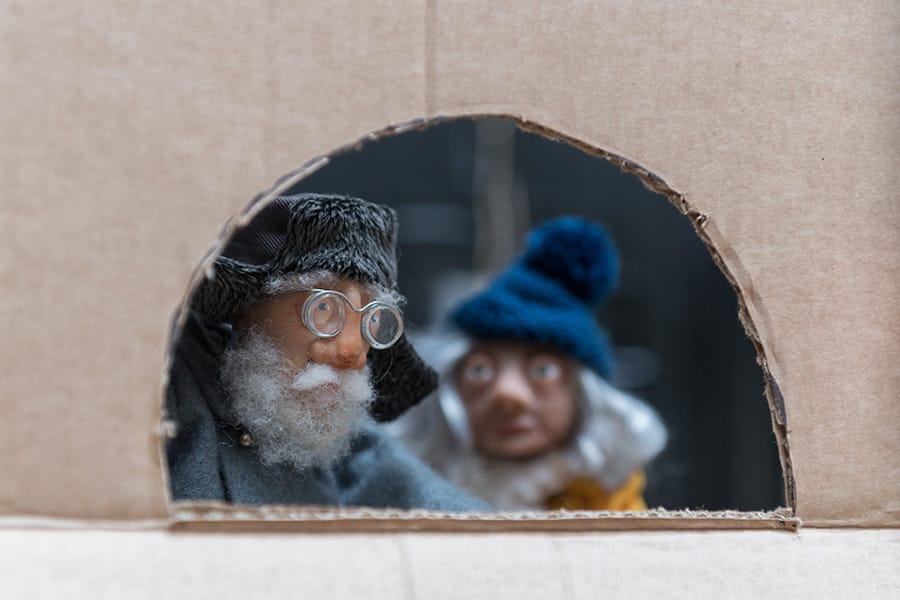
{"type": "Point", "coordinates": [131, 133]}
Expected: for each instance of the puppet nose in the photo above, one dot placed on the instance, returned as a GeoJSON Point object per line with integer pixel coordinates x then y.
{"type": "Point", "coordinates": [347, 350]}
{"type": "Point", "coordinates": [350, 351]}
{"type": "Point", "coordinates": [512, 392]}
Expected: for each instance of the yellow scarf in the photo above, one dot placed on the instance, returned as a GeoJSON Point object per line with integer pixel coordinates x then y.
{"type": "Point", "coordinates": [588, 494]}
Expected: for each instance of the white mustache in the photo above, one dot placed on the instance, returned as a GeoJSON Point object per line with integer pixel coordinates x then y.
{"type": "Point", "coordinates": [315, 375]}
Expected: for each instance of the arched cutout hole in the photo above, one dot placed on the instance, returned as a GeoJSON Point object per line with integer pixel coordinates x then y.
{"type": "Point", "coordinates": [467, 191]}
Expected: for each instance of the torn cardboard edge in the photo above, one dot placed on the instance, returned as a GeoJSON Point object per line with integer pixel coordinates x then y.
{"type": "Point", "coordinates": [205, 515]}
{"type": "Point", "coordinates": [232, 518]}
{"type": "Point", "coordinates": [229, 518]}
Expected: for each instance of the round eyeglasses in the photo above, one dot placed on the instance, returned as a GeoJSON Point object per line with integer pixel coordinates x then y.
{"type": "Point", "coordinates": [323, 313]}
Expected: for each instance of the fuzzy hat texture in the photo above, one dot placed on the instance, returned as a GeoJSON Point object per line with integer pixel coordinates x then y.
{"type": "Point", "coordinates": [548, 294]}
{"type": "Point", "coordinates": [348, 237]}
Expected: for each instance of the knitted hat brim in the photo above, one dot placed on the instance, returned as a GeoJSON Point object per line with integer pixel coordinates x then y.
{"type": "Point", "coordinates": [505, 317]}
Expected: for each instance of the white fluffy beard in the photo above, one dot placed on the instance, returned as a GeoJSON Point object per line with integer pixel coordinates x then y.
{"type": "Point", "coordinates": [305, 419]}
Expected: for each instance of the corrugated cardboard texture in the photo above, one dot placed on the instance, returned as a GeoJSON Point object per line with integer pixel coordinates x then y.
{"type": "Point", "coordinates": [151, 564]}
{"type": "Point", "coordinates": [276, 519]}
{"type": "Point", "coordinates": [132, 132]}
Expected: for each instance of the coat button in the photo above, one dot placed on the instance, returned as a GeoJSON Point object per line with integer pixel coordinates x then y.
{"type": "Point", "coordinates": [246, 440]}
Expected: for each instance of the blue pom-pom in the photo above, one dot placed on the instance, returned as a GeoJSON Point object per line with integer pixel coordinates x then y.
{"type": "Point", "coordinates": [578, 254]}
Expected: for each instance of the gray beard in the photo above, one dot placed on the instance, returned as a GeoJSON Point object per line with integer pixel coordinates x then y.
{"type": "Point", "coordinates": [304, 419]}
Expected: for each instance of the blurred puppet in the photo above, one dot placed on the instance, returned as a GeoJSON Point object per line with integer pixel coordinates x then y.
{"type": "Point", "coordinates": [293, 348]}
{"type": "Point", "coordinates": [524, 416]}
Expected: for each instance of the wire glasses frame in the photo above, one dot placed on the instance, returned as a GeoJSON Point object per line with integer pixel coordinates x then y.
{"type": "Point", "coordinates": [323, 313]}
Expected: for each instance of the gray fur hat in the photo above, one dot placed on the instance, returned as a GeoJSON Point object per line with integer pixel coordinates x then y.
{"type": "Point", "coordinates": [345, 236]}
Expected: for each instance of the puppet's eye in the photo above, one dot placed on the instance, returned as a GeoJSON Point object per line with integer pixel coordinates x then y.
{"type": "Point", "coordinates": [325, 315]}
{"type": "Point", "coordinates": [478, 371]}
{"type": "Point", "coordinates": [545, 369]}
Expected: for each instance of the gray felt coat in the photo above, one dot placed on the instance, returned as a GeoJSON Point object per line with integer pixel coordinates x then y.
{"type": "Point", "coordinates": [207, 462]}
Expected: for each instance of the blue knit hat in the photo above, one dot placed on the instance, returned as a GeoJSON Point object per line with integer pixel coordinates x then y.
{"type": "Point", "coordinates": [548, 294]}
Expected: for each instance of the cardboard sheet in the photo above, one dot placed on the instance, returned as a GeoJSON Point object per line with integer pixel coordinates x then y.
{"type": "Point", "coordinates": [132, 132]}
{"type": "Point", "coordinates": [152, 564]}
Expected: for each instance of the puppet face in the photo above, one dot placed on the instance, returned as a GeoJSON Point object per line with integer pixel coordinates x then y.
{"type": "Point", "coordinates": [521, 398]}
{"type": "Point", "coordinates": [281, 319]}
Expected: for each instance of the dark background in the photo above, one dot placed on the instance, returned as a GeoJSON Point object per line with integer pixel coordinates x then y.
{"type": "Point", "coordinates": [468, 191]}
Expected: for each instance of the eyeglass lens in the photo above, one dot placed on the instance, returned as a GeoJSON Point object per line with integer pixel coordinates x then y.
{"type": "Point", "coordinates": [382, 325]}
{"type": "Point", "coordinates": [326, 314]}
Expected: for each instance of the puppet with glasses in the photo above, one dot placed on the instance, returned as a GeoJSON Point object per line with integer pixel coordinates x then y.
{"type": "Point", "coordinates": [292, 350]}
